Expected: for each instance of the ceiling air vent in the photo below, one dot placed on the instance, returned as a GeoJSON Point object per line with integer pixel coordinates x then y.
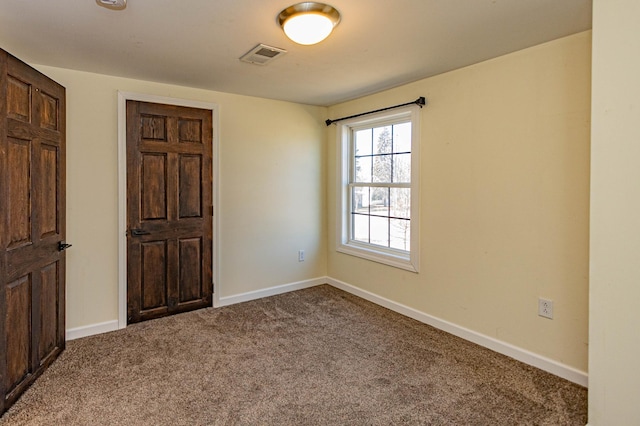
{"type": "Point", "coordinates": [261, 54]}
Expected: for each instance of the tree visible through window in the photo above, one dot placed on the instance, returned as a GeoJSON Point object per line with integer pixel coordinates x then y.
{"type": "Point", "coordinates": [381, 187]}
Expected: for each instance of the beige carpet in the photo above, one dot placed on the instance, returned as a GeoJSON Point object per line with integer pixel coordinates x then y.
{"type": "Point", "coordinates": [313, 357]}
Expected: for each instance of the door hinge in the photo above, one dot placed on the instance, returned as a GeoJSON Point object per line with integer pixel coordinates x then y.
{"type": "Point", "coordinates": [213, 287]}
{"type": "Point", "coordinates": [211, 210]}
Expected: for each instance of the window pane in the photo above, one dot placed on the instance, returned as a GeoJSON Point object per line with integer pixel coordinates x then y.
{"type": "Point", "coordinates": [360, 227]}
{"type": "Point", "coordinates": [363, 169]}
{"type": "Point", "coordinates": [382, 140]}
{"type": "Point", "coordinates": [401, 167]}
{"type": "Point", "coordinates": [379, 201]}
{"type": "Point", "coordinates": [402, 137]}
{"type": "Point", "coordinates": [400, 234]}
{"type": "Point", "coordinates": [380, 231]}
{"type": "Point", "coordinates": [360, 200]}
{"type": "Point", "coordinates": [363, 142]}
{"type": "Point", "coordinates": [400, 202]}
{"type": "Point", "coordinates": [382, 168]}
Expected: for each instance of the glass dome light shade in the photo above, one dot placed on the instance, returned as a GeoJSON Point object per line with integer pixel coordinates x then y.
{"type": "Point", "coordinates": [308, 28]}
{"type": "Point", "coordinates": [308, 22]}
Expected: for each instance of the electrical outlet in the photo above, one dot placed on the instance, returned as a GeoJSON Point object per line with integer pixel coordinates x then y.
{"type": "Point", "coordinates": [300, 255]}
{"type": "Point", "coordinates": [545, 308]}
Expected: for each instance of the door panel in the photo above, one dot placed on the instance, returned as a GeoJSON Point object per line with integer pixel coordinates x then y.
{"type": "Point", "coordinates": [169, 212]}
{"type": "Point", "coordinates": [32, 211]}
{"type": "Point", "coordinates": [18, 99]}
{"type": "Point", "coordinates": [154, 187]}
{"type": "Point", "coordinates": [49, 284]}
{"type": "Point", "coordinates": [153, 127]}
{"type": "Point", "coordinates": [18, 323]}
{"type": "Point", "coordinates": [19, 187]}
{"type": "Point", "coordinates": [190, 270]}
{"type": "Point", "coordinates": [190, 180]}
{"type": "Point", "coordinates": [48, 111]}
{"type": "Point", "coordinates": [154, 275]}
{"type": "Point", "coordinates": [190, 130]}
{"type": "Point", "coordinates": [49, 191]}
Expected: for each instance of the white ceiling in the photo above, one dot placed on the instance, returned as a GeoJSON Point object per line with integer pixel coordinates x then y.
{"type": "Point", "coordinates": [378, 44]}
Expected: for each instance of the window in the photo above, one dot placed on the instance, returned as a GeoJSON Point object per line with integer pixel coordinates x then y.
{"type": "Point", "coordinates": [378, 194]}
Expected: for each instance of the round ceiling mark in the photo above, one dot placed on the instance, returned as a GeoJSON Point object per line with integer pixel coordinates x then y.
{"type": "Point", "coordinates": [113, 4]}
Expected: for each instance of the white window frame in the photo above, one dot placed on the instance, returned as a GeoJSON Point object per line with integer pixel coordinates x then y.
{"type": "Point", "coordinates": [345, 158]}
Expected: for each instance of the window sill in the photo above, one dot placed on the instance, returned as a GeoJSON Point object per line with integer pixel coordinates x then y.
{"type": "Point", "coordinates": [386, 257]}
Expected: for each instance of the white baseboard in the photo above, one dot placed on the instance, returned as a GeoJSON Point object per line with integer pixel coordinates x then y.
{"type": "Point", "coordinates": [105, 327]}
{"type": "Point", "coordinates": [90, 330]}
{"type": "Point", "coordinates": [271, 291]}
{"type": "Point", "coordinates": [523, 355]}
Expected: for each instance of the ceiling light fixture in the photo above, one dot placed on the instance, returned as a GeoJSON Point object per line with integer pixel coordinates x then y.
{"type": "Point", "coordinates": [113, 4]}
{"type": "Point", "coordinates": [308, 22]}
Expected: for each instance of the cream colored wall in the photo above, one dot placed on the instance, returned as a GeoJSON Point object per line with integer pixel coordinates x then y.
{"type": "Point", "coordinates": [504, 212]}
{"type": "Point", "coordinates": [614, 352]}
{"type": "Point", "coordinates": [272, 190]}
{"type": "Point", "coordinates": [504, 199]}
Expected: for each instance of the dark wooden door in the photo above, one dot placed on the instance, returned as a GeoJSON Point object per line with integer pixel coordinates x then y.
{"type": "Point", "coordinates": [32, 218]}
{"type": "Point", "coordinates": [169, 210]}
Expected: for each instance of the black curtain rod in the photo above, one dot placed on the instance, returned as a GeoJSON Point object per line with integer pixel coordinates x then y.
{"type": "Point", "coordinates": [421, 101]}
